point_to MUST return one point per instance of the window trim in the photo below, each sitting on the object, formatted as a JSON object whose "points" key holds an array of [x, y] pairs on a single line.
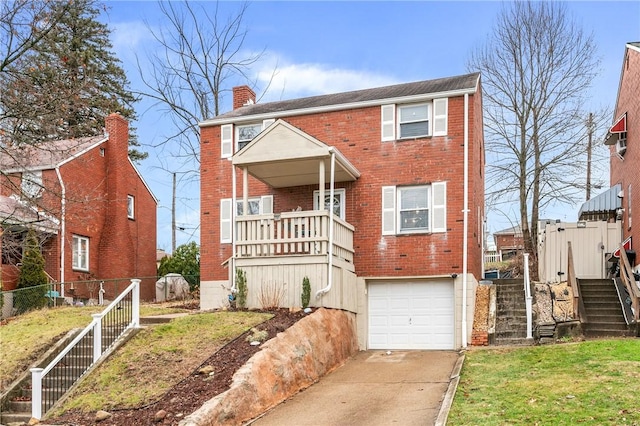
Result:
{"points": [[437, 209], [131, 207], [76, 253], [438, 113], [341, 192], [31, 184], [226, 214], [400, 210], [246, 142], [429, 120]]}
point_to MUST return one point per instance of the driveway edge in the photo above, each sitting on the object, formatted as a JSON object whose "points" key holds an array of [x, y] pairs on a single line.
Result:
{"points": [[441, 420]]}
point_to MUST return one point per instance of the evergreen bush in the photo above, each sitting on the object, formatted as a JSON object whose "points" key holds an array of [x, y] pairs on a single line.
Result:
{"points": [[32, 281], [306, 292]]}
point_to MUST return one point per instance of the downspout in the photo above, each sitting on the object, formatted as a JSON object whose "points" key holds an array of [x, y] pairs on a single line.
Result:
{"points": [[63, 212], [233, 227], [465, 231], [331, 224]]}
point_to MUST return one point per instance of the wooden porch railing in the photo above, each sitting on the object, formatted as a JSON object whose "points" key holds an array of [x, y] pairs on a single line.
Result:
{"points": [[578, 303], [629, 281], [292, 233]]}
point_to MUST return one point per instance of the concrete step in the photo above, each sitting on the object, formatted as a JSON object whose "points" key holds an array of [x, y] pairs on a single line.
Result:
{"points": [[8, 418]]}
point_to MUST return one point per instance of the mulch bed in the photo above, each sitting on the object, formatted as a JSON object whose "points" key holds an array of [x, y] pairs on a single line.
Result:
{"points": [[190, 394]]}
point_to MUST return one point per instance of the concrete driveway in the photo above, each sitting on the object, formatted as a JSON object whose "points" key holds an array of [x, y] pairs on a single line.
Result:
{"points": [[376, 388]]}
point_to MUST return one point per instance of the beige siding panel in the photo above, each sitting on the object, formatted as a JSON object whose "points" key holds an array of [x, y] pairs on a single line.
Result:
{"points": [[284, 276]]}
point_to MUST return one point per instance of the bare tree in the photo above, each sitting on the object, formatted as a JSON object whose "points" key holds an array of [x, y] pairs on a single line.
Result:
{"points": [[536, 66], [200, 52]]}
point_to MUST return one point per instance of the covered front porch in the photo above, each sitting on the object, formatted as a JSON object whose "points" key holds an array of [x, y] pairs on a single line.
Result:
{"points": [[277, 250]]}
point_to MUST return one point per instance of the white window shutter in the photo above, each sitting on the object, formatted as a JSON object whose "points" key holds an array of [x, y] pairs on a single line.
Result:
{"points": [[388, 119], [225, 220], [388, 210], [226, 140], [266, 204], [439, 206], [268, 122], [440, 107]]}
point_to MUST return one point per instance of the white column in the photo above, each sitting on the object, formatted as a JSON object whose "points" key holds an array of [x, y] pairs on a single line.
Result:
{"points": [[321, 184], [245, 191]]}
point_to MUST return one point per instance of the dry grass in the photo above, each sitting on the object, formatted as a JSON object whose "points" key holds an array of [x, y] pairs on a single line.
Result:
{"points": [[25, 338], [157, 358]]}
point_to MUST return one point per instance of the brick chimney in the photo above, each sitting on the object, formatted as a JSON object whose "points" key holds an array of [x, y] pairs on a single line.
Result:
{"points": [[116, 244], [243, 95]]}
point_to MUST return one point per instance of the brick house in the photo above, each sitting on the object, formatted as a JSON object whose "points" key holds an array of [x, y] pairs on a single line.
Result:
{"points": [[509, 242], [377, 196], [624, 141], [95, 214]]}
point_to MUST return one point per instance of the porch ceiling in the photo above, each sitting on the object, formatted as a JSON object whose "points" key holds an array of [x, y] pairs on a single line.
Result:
{"points": [[284, 156]]}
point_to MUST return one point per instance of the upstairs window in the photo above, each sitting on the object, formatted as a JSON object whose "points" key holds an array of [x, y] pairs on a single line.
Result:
{"points": [[411, 121], [245, 134], [234, 139], [32, 184]]}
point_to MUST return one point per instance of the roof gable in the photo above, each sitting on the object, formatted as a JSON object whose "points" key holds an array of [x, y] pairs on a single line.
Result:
{"points": [[284, 155]]}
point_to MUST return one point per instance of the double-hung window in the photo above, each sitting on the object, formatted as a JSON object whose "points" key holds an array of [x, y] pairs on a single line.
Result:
{"points": [[257, 205], [32, 184], [80, 253], [245, 134], [234, 138], [414, 209], [411, 121]]}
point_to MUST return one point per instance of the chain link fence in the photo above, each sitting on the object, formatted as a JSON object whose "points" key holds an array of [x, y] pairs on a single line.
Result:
{"points": [[94, 292]]}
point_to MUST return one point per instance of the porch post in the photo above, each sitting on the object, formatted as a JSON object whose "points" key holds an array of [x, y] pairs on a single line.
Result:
{"points": [[321, 184], [234, 185], [245, 191]]}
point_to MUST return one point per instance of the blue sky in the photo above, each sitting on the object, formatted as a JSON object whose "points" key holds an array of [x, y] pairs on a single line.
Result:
{"points": [[328, 47]]}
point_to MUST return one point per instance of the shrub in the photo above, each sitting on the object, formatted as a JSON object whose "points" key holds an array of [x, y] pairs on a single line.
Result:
{"points": [[306, 292], [32, 281], [271, 295], [241, 285]]}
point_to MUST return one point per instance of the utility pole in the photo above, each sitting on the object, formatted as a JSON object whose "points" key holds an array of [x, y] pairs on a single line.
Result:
{"points": [[173, 216], [589, 149]]}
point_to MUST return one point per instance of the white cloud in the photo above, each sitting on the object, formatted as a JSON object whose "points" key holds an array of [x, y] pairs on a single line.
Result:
{"points": [[292, 80], [128, 37]]}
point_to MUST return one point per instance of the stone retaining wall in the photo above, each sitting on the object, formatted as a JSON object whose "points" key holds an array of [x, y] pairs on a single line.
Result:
{"points": [[288, 363]]}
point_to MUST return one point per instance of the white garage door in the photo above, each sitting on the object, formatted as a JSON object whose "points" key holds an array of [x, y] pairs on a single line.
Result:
{"points": [[415, 315]]}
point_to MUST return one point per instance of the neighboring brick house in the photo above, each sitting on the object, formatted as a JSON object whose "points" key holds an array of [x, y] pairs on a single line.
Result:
{"points": [[509, 242], [624, 141], [403, 168], [94, 211]]}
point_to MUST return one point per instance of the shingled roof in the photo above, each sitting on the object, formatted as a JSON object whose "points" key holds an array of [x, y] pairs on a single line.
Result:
{"points": [[440, 85], [46, 155]]}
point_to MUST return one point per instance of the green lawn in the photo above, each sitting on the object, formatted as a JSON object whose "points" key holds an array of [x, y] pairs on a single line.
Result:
{"points": [[595, 382]]}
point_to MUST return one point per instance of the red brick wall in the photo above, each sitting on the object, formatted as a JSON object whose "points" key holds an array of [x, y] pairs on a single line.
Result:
{"points": [[625, 172], [356, 133], [96, 187]]}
